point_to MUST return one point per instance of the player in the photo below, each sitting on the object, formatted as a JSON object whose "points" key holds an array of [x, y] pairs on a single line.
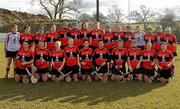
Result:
{"points": [[85, 34]]}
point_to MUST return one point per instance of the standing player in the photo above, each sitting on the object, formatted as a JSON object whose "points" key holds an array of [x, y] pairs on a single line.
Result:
{"points": [[57, 61], [72, 61], [118, 35], [119, 57], [128, 36], [96, 35], [85, 34], [164, 61], [51, 38], [108, 38], [159, 38], [24, 62], [64, 35], [27, 36], [139, 36], [11, 47], [41, 62], [39, 36], [101, 60], [75, 35], [150, 37], [134, 62], [86, 61], [148, 62]]}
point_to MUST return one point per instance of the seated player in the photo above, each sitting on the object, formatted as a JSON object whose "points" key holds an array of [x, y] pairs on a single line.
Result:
{"points": [[57, 62], [72, 61], [164, 61], [101, 62], [119, 57], [134, 62], [24, 62], [148, 62], [41, 62], [86, 61]]}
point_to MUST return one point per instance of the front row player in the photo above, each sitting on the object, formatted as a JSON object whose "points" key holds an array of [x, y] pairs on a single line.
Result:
{"points": [[119, 57], [57, 61], [86, 54], [41, 62], [24, 62], [164, 61], [101, 60], [134, 62], [148, 62]]}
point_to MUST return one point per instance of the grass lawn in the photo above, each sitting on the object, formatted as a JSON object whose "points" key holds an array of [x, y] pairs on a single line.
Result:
{"points": [[95, 95]]}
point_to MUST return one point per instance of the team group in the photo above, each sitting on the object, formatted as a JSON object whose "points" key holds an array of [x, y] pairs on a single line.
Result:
{"points": [[67, 54]]}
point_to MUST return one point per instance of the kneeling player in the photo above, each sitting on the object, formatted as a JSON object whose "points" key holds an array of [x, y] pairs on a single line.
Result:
{"points": [[86, 61], [101, 59], [134, 62], [119, 58], [57, 62], [148, 62], [165, 60], [41, 62], [24, 62], [72, 61]]}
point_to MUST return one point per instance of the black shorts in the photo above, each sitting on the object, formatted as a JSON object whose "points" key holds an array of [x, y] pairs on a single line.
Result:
{"points": [[55, 72], [42, 71], [121, 71], [148, 72], [10, 54], [86, 71], [175, 54], [103, 69], [136, 71], [74, 69], [165, 73], [23, 71]]}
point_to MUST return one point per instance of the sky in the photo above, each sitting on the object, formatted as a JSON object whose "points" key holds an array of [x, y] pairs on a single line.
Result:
{"points": [[26, 6]]}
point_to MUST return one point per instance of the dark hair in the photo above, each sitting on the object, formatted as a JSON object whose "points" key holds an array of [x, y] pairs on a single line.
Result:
{"points": [[128, 26], [82, 24], [26, 26]]}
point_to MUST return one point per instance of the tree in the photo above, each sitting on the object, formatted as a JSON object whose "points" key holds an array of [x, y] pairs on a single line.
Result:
{"points": [[115, 15], [85, 17], [168, 19], [58, 9], [144, 15]]}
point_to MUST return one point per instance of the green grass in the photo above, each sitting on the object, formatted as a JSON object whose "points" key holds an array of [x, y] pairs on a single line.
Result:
{"points": [[95, 95]]}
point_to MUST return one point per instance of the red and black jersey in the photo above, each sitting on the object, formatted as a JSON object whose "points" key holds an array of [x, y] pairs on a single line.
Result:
{"points": [[134, 55], [149, 37], [128, 36], [86, 57], [85, 35], [41, 58], [24, 56], [57, 58], [171, 42], [64, 36], [148, 57], [71, 55], [26, 37], [39, 37], [159, 38], [96, 35], [51, 38], [108, 40], [117, 37], [75, 34], [100, 56], [164, 58], [119, 56]]}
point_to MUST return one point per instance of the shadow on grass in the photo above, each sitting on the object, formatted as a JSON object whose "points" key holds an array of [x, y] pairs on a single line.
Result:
{"points": [[91, 93]]}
